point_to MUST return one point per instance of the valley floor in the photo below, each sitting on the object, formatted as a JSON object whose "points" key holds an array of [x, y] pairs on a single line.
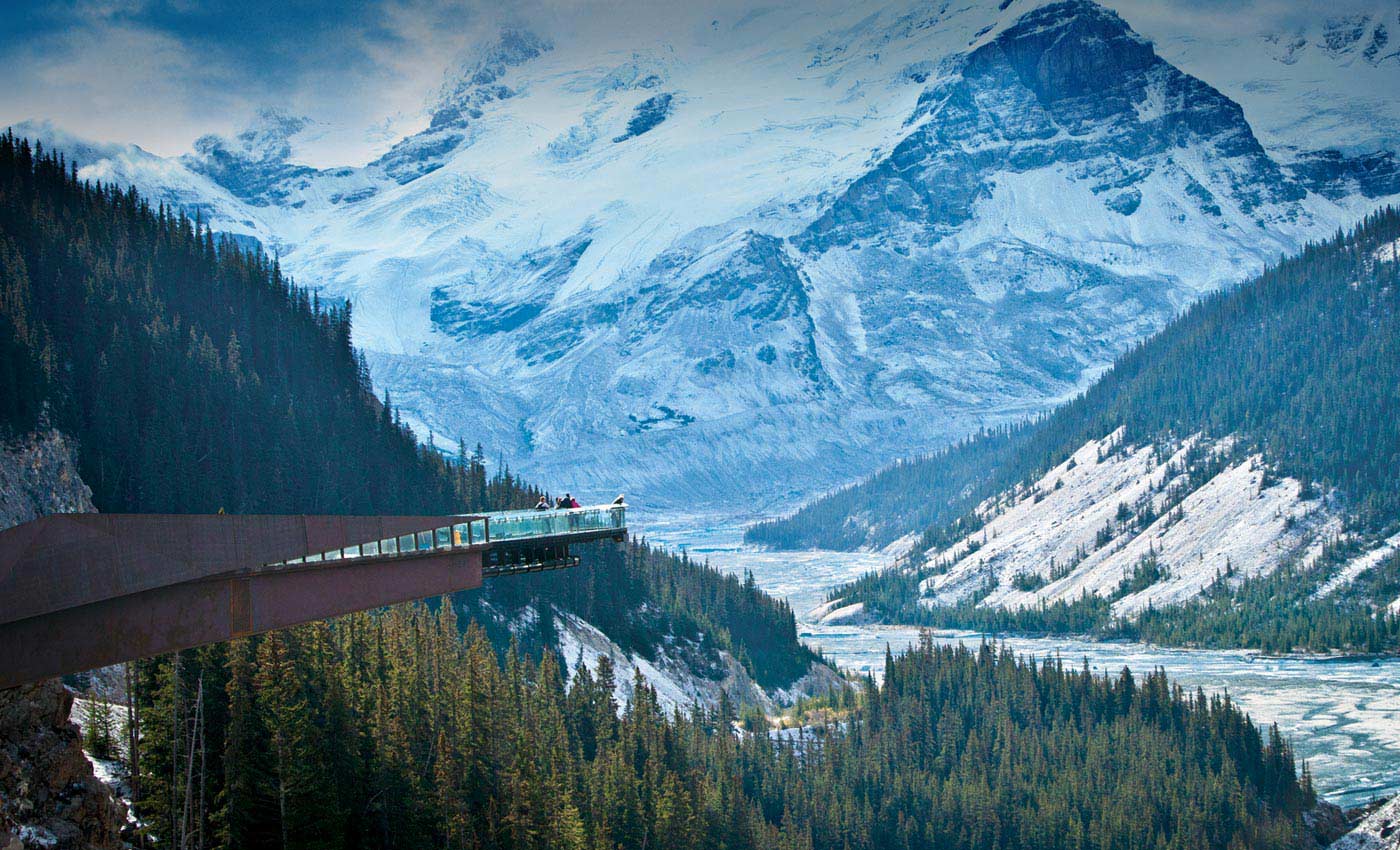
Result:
{"points": [[1342, 715]]}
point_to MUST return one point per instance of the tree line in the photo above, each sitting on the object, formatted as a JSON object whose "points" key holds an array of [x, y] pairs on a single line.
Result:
{"points": [[395, 729]]}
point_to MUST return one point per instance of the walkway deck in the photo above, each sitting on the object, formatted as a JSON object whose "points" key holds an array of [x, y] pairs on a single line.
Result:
{"points": [[79, 591]]}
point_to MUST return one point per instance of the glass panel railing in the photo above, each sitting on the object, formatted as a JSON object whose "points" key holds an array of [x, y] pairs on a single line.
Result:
{"points": [[475, 531], [514, 525]]}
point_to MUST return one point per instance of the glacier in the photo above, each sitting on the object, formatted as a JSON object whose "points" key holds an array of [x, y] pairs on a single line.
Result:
{"points": [[728, 253]]}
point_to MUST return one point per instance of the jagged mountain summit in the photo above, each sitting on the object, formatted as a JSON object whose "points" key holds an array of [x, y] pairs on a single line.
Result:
{"points": [[753, 252]]}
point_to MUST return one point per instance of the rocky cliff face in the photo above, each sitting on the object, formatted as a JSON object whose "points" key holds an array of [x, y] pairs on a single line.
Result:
{"points": [[49, 797], [39, 476], [1378, 831], [1069, 86]]}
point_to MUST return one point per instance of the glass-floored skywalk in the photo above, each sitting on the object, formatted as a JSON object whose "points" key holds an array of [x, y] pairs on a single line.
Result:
{"points": [[478, 531]]}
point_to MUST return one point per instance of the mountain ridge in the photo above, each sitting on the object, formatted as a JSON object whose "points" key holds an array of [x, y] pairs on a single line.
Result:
{"points": [[910, 194], [1211, 488]]}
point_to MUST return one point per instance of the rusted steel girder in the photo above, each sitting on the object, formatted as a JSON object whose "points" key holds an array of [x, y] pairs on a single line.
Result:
{"points": [[190, 614], [79, 591], [65, 560]]}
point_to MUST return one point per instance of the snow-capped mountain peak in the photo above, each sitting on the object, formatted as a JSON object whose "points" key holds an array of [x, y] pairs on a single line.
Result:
{"points": [[759, 251], [256, 165]]}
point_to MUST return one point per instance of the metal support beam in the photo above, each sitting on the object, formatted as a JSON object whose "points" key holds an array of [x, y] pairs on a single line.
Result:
{"points": [[81, 591], [190, 614]]}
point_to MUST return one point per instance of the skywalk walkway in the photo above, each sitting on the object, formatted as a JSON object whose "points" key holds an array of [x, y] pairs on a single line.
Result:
{"points": [[80, 591]]}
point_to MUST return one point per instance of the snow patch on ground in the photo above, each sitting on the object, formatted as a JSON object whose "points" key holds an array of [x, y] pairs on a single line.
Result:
{"points": [[901, 546], [676, 686], [111, 772], [1379, 831], [1238, 522], [834, 613], [580, 640], [1358, 566], [1388, 253]]}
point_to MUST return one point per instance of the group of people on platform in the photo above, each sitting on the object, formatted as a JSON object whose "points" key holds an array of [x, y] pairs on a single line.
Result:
{"points": [[563, 503], [568, 502]]}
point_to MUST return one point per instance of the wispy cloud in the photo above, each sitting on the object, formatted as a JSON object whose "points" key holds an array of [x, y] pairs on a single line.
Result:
{"points": [[163, 72], [1246, 18]]}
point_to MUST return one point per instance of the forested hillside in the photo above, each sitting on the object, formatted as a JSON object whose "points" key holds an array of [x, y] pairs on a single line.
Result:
{"points": [[401, 729], [1291, 376], [394, 731], [1301, 362], [197, 377], [194, 374]]}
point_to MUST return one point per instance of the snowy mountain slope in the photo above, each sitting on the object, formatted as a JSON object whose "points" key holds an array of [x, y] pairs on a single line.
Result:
{"points": [[1310, 77], [1243, 456], [1090, 522], [1379, 831], [1357, 566], [163, 181], [676, 685], [753, 252], [1150, 525], [1064, 193], [1318, 84], [686, 673]]}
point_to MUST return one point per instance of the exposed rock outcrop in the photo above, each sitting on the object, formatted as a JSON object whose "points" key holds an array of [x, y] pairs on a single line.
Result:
{"points": [[39, 476], [1327, 822], [49, 797], [1378, 831]]}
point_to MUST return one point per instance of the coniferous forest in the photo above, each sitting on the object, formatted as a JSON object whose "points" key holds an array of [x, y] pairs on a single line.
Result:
{"points": [[395, 730], [196, 377]]}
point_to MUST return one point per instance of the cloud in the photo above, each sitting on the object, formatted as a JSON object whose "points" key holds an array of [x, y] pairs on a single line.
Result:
{"points": [[161, 73], [1244, 18]]}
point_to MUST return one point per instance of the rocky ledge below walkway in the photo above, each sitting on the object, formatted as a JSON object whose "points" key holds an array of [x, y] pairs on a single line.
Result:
{"points": [[49, 797]]}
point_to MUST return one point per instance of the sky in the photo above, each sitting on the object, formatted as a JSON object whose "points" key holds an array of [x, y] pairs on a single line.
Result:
{"points": [[161, 73]]}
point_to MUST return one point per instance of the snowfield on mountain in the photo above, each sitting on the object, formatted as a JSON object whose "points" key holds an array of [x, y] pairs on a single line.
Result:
{"points": [[714, 263]]}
